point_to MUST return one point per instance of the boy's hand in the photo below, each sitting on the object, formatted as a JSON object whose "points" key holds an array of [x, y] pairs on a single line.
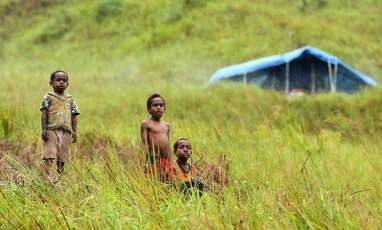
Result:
{"points": [[197, 179], [45, 135], [74, 137]]}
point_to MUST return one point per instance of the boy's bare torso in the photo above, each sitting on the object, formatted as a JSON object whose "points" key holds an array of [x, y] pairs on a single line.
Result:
{"points": [[156, 136]]}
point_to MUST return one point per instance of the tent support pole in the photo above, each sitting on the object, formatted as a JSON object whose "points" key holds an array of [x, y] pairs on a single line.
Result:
{"points": [[312, 79], [245, 78], [287, 79], [273, 79], [330, 77], [335, 77]]}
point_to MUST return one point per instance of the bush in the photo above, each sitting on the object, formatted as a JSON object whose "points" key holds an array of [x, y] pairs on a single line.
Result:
{"points": [[108, 8], [55, 29]]}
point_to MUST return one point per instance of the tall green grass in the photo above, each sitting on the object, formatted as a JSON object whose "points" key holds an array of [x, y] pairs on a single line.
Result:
{"points": [[301, 162]]}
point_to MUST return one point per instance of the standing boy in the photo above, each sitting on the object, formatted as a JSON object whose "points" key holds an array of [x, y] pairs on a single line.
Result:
{"points": [[58, 122], [155, 136]]}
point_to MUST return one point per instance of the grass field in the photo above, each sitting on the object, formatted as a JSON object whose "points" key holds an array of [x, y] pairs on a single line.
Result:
{"points": [[309, 162]]}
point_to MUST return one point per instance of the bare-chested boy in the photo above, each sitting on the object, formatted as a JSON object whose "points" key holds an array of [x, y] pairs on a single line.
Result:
{"points": [[155, 136]]}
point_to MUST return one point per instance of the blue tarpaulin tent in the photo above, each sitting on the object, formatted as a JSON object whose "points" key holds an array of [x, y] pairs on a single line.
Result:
{"points": [[307, 70]]}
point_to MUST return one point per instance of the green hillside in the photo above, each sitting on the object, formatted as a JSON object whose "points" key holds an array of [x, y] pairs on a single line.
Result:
{"points": [[312, 162], [177, 40]]}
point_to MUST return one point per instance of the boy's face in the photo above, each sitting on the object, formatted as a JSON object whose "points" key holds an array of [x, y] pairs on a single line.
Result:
{"points": [[60, 82], [183, 150], [157, 107]]}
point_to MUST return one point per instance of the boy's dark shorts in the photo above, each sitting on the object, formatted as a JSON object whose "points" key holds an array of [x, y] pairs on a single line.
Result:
{"points": [[57, 147]]}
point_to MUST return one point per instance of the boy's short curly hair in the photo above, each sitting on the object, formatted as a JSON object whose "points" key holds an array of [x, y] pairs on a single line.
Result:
{"points": [[151, 98], [177, 142], [52, 75]]}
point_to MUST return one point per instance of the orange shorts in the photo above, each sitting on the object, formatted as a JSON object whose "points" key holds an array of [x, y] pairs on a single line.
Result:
{"points": [[162, 167]]}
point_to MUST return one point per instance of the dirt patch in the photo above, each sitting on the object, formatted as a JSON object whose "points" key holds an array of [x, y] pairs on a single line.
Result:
{"points": [[21, 152], [12, 156]]}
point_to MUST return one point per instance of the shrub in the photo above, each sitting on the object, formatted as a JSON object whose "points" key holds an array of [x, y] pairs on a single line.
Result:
{"points": [[108, 8]]}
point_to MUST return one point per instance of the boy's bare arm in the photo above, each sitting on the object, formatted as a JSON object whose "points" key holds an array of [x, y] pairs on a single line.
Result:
{"points": [[74, 128], [44, 122], [144, 137]]}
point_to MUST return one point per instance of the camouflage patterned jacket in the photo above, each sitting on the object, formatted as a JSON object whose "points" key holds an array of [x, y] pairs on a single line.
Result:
{"points": [[60, 110]]}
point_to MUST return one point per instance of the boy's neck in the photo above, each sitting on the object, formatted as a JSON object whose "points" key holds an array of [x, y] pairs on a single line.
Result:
{"points": [[182, 161], [59, 93], [155, 119]]}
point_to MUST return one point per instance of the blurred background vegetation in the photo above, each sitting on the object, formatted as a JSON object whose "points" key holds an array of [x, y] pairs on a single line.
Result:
{"points": [[186, 39]]}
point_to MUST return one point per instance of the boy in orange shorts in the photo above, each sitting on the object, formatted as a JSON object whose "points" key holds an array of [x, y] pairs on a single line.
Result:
{"points": [[155, 137], [58, 122], [185, 174]]}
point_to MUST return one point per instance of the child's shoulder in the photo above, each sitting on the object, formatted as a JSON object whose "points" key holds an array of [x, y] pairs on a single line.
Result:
{"points": [[53, 94], [48, 96], [148, 122], [145, 123], [166, 123], [68, 96]]}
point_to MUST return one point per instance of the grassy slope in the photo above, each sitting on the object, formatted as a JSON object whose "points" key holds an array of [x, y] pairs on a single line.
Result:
{"points": [[182, 40], [118, 52]]}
